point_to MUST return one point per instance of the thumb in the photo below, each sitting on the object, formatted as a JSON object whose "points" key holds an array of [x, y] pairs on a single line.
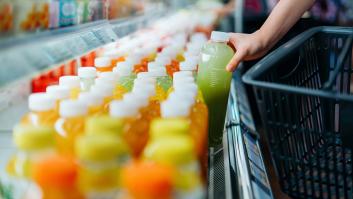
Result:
{"points": [[235, 61]]}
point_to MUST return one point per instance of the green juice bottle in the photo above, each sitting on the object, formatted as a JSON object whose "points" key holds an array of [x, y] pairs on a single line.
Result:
{"points": [[214, 82]]}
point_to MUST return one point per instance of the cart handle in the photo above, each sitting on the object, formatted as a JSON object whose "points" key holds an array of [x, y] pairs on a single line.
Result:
{"points": [[339, 64]]}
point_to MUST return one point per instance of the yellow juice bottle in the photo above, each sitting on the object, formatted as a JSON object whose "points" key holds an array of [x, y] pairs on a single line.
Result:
{"points": [[126, 77], [160, 93], [33, 144], [73, 83], [178, 151], [101, 157], [41, 110], [104, 90], [135, 130], [70, 125]]}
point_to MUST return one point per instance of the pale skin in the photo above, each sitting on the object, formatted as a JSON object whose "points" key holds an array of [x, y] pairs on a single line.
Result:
{"points": [[252, 46]]}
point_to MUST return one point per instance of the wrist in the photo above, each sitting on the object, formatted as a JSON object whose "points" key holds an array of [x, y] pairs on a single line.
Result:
{"points": [[263, 39]]}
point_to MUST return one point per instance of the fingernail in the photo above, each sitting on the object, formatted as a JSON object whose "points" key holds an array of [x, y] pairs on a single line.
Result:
{"points": [[229, 68]]}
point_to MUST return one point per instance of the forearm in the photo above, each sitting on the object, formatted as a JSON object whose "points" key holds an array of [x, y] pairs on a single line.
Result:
{"points": [[285, 14]]}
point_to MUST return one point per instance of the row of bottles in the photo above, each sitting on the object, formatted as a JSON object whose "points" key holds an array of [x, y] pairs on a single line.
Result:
{"points": [[133, 126]]}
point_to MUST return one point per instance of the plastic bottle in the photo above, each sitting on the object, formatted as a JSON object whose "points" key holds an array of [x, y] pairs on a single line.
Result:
{"points": [[214, 82], [103, 64], [101, 157], [116, 56], [72, 82], [147, 76], [104, 124], [190, 64], [126, 76], [57, 176], [135, 128], [33, 143], [148, 180], [105, 91], [152, 110], [70, 125], [163, 80], [93, 101], [58, 93], [87, 76], [42, 110], [178, 151]]}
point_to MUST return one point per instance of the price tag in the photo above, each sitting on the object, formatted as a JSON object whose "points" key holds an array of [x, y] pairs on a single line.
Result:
{"points": [[58, 51], [105, 35], [76, 45], [37, 58], [91, 40]]}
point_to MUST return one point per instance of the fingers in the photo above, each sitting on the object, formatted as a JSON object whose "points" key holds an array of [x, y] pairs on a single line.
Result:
{"points": [[235, 61]]}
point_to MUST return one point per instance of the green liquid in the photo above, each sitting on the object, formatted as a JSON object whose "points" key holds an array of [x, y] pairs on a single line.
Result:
{"points": [[127, 82], [214, 82]]}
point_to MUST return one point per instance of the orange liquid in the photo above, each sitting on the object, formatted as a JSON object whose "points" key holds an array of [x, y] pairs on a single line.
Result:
{"points": [[119, 92], [105, 69], [106, 102], [172, 68], [115, 61], [40, 118], [136, 134], [57, 193], [95, 110], [68, 129], [199, 132]]}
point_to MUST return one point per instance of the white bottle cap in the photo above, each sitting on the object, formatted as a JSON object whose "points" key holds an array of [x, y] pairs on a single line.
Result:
{"points": [[40, 102], [192, 58], [163, 60], [181, 86], [87, 72], [102, 62], [154, 66], [90, 99], [113, 54], [145, 80], [218, 36], [110, 79], [126, 64], [103, 90], [185, 80], [72, 108], [109, 76], [122, 71], [138, 100], [158, 72], [70, 81], [188, 66], [175, 108], [146, 89], [121, 109], [58, 92], [187, 97], [182, 74], [133, 58], [143, 75]]}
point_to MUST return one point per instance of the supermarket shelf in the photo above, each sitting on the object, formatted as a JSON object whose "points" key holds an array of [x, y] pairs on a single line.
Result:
{"points": [[27, 55]]}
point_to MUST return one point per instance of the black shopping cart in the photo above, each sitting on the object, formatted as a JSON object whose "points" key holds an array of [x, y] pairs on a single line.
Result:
{"points": [[304, 95]]}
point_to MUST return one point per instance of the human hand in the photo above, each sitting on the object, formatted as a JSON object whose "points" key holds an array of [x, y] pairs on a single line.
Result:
{"points": [[247, 47]]}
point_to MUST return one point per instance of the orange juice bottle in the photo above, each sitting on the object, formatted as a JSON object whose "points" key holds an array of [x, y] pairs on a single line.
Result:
{"points": [[58, 93], [103, 64], [73, 83], [101, 157], [135, 128], [70, 125], [87, 76], [57, 176], [33, 143], [148, 180], [42, 110], [93, 101]]}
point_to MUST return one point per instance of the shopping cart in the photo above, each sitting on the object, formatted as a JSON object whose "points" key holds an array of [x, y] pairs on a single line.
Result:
{"points": [[303, 93]]}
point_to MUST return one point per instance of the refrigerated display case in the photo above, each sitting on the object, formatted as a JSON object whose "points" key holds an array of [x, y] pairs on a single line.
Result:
{"points": [[236, 168]]}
